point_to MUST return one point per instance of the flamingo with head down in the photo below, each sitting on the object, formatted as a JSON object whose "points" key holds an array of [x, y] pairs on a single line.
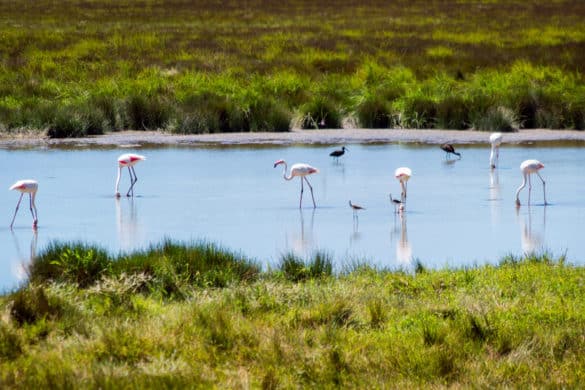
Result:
{"points": [[528, 167], [29, 187], [128, 160]]}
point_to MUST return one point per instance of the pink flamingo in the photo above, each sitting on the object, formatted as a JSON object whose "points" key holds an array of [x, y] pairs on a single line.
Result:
{"points": [[403, 174], [496, 141], [29, 187], [529, 167], [128, 160], [302, 170]]}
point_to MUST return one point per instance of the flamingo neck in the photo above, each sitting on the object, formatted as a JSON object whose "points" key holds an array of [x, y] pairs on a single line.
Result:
{"points": [[521, 186], [118, 179], [284, 172], [492, 155]]}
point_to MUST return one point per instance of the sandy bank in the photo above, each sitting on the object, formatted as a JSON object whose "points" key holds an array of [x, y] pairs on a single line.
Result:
{"points": [[343, 136]]}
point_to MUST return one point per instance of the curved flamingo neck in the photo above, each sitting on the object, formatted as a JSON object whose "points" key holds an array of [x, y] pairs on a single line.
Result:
{"points": [[284, 172], [493, 154], [521, 186], [118, 179]]}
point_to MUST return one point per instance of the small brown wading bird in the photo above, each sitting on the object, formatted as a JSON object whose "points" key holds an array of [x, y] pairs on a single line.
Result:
{"points": [[338, 153], [29, 187], [301, 170], [128, 160], [449, 149], [529, 167], [355, 208]]}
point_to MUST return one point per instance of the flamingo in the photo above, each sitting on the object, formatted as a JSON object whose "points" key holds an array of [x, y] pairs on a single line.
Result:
{"points": [[403, 174], [29, 187], [529, 167], [128, 160], [448, 148], [496, 141], [338, 153], [302, 170]]}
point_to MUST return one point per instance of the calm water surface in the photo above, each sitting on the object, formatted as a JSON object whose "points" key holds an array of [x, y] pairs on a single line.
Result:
{"points": [[459, 212]]}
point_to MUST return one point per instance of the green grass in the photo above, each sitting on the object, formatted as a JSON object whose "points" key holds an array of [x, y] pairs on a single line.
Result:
{"points": [[517, 324], [266, 65]]}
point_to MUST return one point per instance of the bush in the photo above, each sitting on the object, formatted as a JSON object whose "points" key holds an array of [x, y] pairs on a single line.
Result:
{"points": [[319, 112], [497, 119]]}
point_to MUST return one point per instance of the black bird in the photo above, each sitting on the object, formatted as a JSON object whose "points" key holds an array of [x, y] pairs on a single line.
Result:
{"points": [[448, 148], [395, 202], [355, 208], [338, 153]]}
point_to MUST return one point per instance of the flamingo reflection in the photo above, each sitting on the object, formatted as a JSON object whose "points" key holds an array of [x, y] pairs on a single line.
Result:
{"points": [[531, 239], [403, 248], [303, 242], [129, 230], [495, 196], [20, 270]]}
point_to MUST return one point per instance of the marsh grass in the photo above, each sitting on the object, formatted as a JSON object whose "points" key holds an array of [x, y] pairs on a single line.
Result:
{"points": [[268, 66], [519, 323]]}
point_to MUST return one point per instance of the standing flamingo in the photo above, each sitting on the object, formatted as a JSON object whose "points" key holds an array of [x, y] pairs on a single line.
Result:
{"points": [[128, 160], [29, 187], [448, 148], [529, 167], [302, 170], [496, 141], [403, 174]]}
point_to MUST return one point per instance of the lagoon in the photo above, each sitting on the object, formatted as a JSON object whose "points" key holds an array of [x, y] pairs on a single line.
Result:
{"points": [[459, 212]]}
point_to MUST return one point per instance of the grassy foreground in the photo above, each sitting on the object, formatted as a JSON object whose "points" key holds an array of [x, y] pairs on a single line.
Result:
{"points": [[78, 67], [160, 319]]}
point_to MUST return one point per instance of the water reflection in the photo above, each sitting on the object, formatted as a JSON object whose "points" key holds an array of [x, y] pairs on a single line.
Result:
{"points": [[495, 196], [19, 270], [532, 234], [129, 230], [303, 242], [403, 248]]}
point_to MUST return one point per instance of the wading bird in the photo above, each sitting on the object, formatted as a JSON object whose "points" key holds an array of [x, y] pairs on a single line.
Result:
{"points": [[496, 141], [301, 170], [397, 204], [448, 148], [29, 187], [338, 153], [529, 167], [403, 174], [128, 160], [355, 208]]}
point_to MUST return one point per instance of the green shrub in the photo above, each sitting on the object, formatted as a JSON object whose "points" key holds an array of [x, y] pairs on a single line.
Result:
{"points": [[319, 112]]}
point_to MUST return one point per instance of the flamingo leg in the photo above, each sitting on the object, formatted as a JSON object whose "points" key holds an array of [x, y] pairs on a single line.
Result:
{"points": [[529, 188], [133, 180], [543, 188], [15, 211], [33, 210], [311, 188], [301, 199]]}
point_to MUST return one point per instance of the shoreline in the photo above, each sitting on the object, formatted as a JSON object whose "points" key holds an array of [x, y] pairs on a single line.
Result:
{"points": [[132, 138]]}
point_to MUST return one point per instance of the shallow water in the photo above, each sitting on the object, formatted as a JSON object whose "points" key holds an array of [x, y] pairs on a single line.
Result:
{"points": [[459, 212]]}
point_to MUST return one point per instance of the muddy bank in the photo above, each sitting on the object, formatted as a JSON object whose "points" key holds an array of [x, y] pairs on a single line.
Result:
{"points": [[343, 136]]}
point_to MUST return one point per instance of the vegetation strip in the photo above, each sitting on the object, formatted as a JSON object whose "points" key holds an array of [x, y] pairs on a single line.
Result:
{"points": [[197, 315], [269, 65]]}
